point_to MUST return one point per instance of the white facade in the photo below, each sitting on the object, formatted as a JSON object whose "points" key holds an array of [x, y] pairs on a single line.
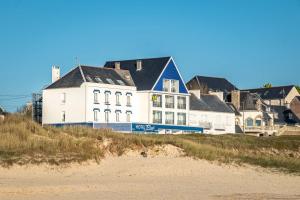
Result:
{"points": [[213, 122], [80, 105], [148, 104]]}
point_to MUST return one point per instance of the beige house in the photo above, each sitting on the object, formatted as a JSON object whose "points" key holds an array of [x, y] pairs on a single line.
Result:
{"points": [[276, 96]]}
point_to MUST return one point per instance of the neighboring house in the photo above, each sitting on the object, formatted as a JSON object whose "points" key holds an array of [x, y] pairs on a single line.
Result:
{"points": [[276, 96], [211, 113], [143, 95], [211, 85], [252, 114], [295, 106], [283, 115]]}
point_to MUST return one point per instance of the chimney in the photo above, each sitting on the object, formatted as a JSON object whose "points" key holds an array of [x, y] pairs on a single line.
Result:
{"points": [[117, 65], [235, 98], [55, 73], [197, 93], [138, 65]]}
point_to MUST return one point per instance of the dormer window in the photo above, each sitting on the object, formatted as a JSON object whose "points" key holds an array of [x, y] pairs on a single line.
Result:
{"points": [[171, 85]]}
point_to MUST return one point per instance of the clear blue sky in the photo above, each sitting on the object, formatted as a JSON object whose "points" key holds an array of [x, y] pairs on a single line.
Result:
{"points": [[248, 42]]}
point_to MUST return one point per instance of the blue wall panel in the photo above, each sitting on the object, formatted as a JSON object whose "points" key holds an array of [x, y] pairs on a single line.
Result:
{"points": [[139, 127], [170, 73]]}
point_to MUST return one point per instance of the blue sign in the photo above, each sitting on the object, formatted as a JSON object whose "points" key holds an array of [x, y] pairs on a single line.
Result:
{"points": [[137, 127]]}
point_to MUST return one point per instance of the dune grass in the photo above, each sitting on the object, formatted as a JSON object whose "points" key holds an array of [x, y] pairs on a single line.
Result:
{"points": [[23, 141]]}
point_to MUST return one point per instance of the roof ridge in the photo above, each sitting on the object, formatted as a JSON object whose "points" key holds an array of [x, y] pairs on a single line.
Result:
{"points": [[212, 77], [270, 87], [139, 59]]}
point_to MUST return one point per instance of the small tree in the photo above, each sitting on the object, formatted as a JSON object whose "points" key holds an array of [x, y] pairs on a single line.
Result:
{"points": [[298, 88], [267, 85]]}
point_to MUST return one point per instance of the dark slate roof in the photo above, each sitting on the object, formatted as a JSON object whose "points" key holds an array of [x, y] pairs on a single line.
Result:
{"points": [[233, 108], [248, 100], [90, 74], [71, 79], [208, 103], [145, 78], [282, 115], [213, 83], [273, 92]]}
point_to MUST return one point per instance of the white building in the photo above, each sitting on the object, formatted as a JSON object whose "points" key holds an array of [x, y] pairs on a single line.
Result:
{"points": [[90, 95], [211, 113], [144, 95]]}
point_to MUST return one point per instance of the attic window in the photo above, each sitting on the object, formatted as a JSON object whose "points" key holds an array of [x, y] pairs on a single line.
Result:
{"points": [[110, 81], [99, 80], [120, 82], [89, 78]]}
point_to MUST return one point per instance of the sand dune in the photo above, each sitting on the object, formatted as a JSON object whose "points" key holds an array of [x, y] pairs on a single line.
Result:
{"points": [[163, 174]]}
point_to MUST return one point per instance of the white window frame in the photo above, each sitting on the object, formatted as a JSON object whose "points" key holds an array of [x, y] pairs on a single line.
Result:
{"points": [[63, 116], [168, 121], [128, 116], [117, 115], [96, 115], [107, 116], [154, 120], [96, 97]]}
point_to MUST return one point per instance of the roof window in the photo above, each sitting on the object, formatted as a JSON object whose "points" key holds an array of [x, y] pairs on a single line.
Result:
{"points": [[110, 81], [120, 82], [98, 79]]}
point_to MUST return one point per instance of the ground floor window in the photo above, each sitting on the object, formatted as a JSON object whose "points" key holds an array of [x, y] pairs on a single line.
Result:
{"points": [[107, 112], [249, 122], [63, 116], [258, 122], [157, 117], [96, 113], [117, 116], [128, 116], [169, 118], [181, 118]]}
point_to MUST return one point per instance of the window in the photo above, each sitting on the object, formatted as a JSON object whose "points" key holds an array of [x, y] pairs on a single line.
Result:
{"points": [[107, 93], [175, 86], [120, 82], [96, 113], [249, 122], [128, 103], [169, 118], [118, 115], [98, 79], [169, 101], [118, 98], [258, 122], [63, 116], [157, 117], [63, 97], [107, 115], [128, 116], [156, 100], [89, 79], [166, 85], [110, 81], [181, 118], [96, 96], [171, 85], [181, 102]]}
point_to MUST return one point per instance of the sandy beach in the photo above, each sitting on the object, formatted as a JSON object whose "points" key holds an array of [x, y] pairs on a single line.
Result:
{"points": [[163, 174]]}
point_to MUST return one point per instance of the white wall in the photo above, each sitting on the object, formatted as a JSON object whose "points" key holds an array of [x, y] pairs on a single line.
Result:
{"points": [[213, 121], [79, 106], [91, 105], [74, 105]]}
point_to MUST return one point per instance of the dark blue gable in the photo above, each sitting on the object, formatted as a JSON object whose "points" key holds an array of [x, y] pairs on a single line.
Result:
{"points": [[170, 73]]}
